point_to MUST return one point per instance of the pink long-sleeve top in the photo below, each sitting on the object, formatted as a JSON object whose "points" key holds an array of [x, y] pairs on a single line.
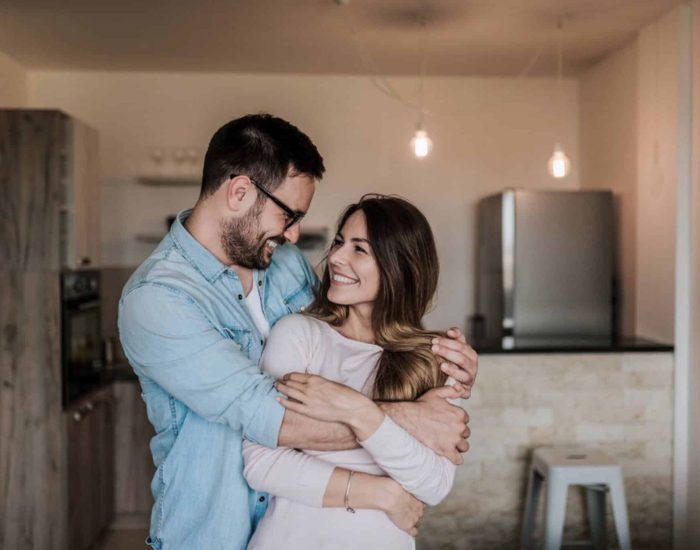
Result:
{"points": [[297, 479]]}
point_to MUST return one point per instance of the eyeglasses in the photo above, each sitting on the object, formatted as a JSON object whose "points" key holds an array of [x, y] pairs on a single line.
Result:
{"points": [[293, 216]]}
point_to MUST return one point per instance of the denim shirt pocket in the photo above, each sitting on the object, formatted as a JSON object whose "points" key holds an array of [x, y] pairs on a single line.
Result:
{"points": [[242, 336], [300, 299]]}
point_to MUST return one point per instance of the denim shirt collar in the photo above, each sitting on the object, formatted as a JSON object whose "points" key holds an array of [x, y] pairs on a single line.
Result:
{"points": [[200, 258]]}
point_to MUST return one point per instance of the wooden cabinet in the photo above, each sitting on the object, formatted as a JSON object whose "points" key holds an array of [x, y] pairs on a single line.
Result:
{"points": [[49, 208], [80, 230], [90, 434], [134, 467]]}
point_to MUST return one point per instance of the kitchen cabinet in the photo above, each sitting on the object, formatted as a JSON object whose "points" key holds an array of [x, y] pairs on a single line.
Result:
{"points": [[80, 204], [90, 447], [134, 467], [49, 208]]}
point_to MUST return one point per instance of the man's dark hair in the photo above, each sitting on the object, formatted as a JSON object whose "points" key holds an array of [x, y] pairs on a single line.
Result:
{"points": [[263, 147]]}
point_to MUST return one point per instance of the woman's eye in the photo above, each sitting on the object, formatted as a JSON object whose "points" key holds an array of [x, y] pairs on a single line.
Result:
{"points": [[360, 249], [337, 242]]}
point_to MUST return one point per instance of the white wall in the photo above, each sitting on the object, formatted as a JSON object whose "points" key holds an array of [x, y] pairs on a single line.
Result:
{"points": [[629, 143], [13, 83], [657, 151], [488, 134], [608, 148]]}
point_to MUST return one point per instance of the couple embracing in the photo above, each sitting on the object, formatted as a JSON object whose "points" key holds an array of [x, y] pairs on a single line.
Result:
{"points": [[291, 412]]}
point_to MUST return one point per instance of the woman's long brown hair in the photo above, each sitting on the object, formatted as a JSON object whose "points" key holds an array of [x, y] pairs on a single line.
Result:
{"points": [[404, 248]]}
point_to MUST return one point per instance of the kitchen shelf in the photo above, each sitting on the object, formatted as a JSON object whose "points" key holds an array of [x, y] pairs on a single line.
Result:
{"points": [[169, 181]]}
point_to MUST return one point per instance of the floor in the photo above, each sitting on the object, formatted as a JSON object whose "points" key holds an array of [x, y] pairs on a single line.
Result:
{"points": [[123, 539]]}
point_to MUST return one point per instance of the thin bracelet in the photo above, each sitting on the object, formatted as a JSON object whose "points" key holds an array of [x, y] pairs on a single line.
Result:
{"points": [[348, 508]]}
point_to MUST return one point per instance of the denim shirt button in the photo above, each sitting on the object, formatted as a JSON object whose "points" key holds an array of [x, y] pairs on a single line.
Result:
{"points": [[259, 283], [262, 499], [240, 296]]}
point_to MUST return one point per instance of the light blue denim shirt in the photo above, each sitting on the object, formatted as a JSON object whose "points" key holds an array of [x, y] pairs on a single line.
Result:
{"points": [[187, 333]]}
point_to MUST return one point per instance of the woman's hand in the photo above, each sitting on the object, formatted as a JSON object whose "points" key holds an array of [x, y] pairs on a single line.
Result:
{"points": [[319, 398], [463, 360], [403, 509]]}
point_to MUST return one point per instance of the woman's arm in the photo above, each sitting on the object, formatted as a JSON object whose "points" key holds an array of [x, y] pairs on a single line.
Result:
{"points": [[309, 480], [416, 467]]}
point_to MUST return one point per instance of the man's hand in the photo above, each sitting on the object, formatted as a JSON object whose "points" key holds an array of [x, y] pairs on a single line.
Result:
{"points": [[463, 360], [435, 422]]}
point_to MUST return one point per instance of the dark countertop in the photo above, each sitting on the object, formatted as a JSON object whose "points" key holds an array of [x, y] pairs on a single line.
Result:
{"points": [[570, 345]]}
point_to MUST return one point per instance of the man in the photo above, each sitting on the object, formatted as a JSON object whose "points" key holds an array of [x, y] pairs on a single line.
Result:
{"points": [[193, 320]]}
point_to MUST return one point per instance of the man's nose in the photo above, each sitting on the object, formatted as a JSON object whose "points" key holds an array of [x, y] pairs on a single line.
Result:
{"points": [[292, 233]]}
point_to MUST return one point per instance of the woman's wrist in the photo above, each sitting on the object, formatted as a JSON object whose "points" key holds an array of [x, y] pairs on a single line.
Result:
{"points": [[372, 492], [366, 419]]}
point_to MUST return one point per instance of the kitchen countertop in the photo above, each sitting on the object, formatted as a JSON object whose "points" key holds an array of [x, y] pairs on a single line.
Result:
{"points": [[569, 345]]}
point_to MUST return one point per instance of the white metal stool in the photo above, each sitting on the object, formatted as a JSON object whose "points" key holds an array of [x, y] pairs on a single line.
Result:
{"points": [[560, 467]]}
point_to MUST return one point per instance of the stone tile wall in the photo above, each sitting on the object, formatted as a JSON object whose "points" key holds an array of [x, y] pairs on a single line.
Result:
{"points": [[621, 403]]}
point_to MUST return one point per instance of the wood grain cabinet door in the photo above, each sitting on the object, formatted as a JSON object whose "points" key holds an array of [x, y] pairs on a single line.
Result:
{"points": [[90, 430]]}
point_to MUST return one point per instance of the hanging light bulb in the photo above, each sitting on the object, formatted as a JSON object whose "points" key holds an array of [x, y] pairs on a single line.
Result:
{"points": [[559, 165], [421, 143]]}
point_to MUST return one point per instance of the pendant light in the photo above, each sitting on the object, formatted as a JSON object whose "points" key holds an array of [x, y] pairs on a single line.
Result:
{"points": [[421, 144], [559, 165]]}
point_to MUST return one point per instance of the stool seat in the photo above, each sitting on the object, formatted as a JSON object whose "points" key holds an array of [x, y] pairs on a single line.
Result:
{"points": [[559, 467]]}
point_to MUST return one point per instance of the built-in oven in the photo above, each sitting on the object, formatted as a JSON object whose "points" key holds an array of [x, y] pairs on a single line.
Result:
{"points": [[81, 338]]}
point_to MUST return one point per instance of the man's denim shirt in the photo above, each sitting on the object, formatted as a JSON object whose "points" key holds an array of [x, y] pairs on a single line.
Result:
{"points": [[187, 333]]}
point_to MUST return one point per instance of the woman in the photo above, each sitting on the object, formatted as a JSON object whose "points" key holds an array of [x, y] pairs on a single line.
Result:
{"points": [[360, 341]]}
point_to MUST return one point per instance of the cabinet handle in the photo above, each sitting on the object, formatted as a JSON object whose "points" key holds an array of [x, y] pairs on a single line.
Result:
{"points": [[85, 261], [77, 417]]}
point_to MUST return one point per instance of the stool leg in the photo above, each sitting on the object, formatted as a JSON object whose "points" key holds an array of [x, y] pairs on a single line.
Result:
{"points": [[619, 505], [534, 485], [557, 490], [597, 517]]}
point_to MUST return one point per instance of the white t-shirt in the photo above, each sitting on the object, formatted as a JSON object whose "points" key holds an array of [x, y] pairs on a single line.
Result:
{"points": [[254, 304]]}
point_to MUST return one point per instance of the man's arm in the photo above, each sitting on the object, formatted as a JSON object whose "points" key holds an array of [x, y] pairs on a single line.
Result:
{"points": [[168, 339], [433, 421], [301, 432]]}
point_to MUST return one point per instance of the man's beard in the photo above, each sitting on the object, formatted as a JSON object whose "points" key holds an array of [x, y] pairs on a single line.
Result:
{"points": [[243, 244]]}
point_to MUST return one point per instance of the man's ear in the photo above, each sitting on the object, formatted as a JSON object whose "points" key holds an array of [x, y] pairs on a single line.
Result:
{"points": [[238, 193]]}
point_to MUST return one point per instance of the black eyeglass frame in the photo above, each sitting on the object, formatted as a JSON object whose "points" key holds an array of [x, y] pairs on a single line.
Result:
{"points": [[295, 216]]}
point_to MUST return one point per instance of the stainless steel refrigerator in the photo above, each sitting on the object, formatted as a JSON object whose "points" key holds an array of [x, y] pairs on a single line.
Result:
{"points": [[546, 265]]}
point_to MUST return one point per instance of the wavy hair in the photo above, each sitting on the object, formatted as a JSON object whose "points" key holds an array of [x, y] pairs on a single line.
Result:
{"points": [[404, 249]]}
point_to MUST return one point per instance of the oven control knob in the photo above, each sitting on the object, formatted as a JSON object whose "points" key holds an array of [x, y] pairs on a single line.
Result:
{"points": [[77, 417]]}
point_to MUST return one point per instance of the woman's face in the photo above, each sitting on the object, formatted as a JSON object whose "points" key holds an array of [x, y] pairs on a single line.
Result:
{"points": [[353, 270]]}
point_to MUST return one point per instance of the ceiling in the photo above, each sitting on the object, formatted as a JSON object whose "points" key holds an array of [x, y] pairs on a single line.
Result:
{"points": [[454, 37]]}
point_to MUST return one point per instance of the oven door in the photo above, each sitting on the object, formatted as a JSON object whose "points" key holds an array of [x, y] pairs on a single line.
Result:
{"points": [[83, 365]]}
